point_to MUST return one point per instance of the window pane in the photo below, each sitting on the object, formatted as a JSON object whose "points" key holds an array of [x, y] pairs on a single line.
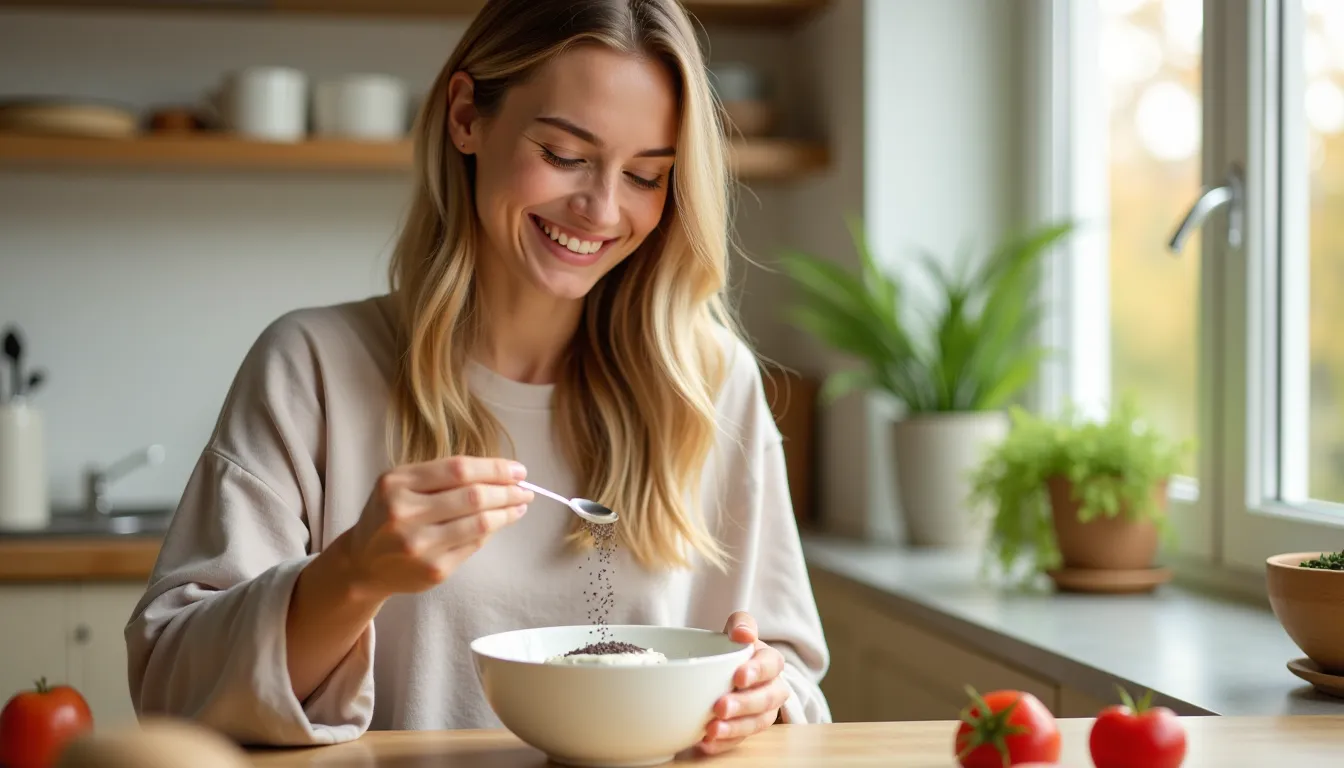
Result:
{"points": [[1151, 56], [1322, 59]]}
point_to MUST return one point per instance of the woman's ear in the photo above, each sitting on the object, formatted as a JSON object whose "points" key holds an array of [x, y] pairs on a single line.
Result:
{"points": [[463, 118]]}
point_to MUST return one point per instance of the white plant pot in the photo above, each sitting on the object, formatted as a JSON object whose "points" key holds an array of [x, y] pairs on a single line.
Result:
{"points": [[935, 456]]}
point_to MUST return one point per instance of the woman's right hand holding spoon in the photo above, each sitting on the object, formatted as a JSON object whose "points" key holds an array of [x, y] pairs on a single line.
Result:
{"points": [[422, 521]]}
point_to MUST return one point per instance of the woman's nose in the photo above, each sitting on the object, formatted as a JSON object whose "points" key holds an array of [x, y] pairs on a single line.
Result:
{"points": [[599, 205]]}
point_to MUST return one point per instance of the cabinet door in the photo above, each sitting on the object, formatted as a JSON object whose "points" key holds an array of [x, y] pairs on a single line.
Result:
{"points": [[841, 621], [33, 619], [1076, 703], [888, 668], [99, 642]]}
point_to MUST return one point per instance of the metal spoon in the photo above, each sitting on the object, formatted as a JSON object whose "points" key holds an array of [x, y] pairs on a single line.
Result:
{"points": [[588, 510]]}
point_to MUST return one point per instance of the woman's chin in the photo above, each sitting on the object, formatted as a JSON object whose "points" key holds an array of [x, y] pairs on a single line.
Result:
{"points": [[564, 285]]}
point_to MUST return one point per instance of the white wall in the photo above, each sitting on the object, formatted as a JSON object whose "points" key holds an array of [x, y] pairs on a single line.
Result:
{"points": [[922, 104], [140, 292], [943, 138]]}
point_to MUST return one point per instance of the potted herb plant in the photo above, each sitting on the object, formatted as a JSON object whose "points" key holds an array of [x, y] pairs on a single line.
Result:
{"points": [[954, 373], [1081, 500]]}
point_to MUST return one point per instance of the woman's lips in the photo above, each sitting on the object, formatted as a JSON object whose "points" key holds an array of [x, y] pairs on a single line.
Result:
{"points": [[583, 257]]}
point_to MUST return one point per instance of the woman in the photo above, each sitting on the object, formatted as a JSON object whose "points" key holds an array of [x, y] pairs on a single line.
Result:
{"points": [[556, 313]]}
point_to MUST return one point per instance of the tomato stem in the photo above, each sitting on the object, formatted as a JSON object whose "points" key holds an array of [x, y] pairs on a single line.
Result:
{"points": [[988, 727], [42, 686], [1139, 707]]}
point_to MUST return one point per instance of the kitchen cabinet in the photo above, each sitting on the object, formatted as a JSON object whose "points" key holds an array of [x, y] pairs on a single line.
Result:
{"points": [[33, 636], [885, 666], [70, 633]]}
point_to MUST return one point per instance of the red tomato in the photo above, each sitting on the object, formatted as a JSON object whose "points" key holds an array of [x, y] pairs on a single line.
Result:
{"points": [[35, 725], [1006, 728], [1137, 736]]}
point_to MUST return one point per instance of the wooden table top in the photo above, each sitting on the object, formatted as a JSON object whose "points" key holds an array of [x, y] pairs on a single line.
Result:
{"points": [[1213, 742]]}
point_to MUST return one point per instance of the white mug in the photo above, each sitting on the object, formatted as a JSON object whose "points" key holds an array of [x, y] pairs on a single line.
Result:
{"points": [[366, 107], [23, 468], [266, 103]]}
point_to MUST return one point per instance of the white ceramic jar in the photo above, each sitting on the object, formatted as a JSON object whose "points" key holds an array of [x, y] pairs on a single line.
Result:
{"points": [[23, 468]]}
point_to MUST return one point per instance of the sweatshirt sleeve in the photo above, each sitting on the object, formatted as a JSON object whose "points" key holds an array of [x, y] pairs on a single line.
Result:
{"points": [[782, 600], [207, 640], [766, 574]]}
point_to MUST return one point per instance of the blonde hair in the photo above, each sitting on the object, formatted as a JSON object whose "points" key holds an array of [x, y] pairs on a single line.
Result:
{"points": [[635, 404]]}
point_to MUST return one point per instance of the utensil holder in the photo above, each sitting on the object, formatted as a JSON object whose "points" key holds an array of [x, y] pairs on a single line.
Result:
{"points": [[23, 468]]}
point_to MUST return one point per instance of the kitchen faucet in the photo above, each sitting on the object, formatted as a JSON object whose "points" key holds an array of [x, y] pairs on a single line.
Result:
{"points": [[96, 481]]}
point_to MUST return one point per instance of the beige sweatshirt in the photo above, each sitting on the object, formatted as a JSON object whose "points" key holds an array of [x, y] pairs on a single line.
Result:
{"points": [[289, 466]]}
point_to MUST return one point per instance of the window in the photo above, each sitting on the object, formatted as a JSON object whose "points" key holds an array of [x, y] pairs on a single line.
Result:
{"points": [[1312, 253], [1222, 323]]}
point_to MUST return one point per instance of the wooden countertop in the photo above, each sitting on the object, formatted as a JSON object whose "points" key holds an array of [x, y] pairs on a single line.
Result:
{"points": [[66, 558], [1213, 742]]}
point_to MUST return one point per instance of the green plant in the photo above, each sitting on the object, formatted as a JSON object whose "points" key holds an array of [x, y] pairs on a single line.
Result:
{"points": [[1330, 561], [978, 350], [1113, 466]]}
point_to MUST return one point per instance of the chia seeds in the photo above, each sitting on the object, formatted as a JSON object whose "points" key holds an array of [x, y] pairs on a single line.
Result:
{"points": [[606, 648], [601, 597]]}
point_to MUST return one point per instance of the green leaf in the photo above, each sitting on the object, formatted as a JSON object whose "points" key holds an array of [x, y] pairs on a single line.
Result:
{"points": [[970, 347], [1018, 375], [841, 383]]}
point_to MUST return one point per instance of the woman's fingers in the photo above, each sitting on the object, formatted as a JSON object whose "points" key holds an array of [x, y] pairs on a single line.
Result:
{"points": [[433, 541], [741, 627], [765, 665], [718, 746], [738, 728], [457, 471], [470, 500], [753, 701]]}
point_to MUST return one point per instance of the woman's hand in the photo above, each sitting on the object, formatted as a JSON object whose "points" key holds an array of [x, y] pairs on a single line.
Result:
{"points": [[423, 520], [759, 692]]}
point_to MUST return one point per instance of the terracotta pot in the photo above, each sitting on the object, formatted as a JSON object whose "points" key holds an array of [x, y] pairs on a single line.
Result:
{"points": [[1108, 543], [1309, 604]]}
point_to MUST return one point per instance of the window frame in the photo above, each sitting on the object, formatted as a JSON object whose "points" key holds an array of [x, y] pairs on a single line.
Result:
{"points": [[1231, 522], [1070, 139], [1274, 364]]}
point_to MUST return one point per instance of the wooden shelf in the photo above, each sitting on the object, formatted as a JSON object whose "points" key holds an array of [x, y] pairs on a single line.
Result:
{"points": [[753, 159], [771, 13]]}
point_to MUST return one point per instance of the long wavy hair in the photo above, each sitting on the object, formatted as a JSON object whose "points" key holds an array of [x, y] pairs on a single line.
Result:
{"points": [[635, 404]]}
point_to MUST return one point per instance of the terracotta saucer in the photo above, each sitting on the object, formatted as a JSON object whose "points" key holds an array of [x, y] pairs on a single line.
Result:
{"points": [[1331, 685], [1111, 581]]}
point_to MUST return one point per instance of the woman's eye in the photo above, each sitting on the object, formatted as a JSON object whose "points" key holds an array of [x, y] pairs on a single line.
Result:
{"points": [[558, 161], [644, 183]]}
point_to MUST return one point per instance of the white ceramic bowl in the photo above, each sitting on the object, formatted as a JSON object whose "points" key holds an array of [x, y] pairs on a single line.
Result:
{"points": [[607, 716]]}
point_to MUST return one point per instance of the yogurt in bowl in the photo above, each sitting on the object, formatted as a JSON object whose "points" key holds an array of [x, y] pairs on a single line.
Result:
{"points": [[610, 653], [609, 697]]}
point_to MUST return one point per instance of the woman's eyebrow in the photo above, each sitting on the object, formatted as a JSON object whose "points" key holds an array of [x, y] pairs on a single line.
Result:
{"points": [[586, 135]]}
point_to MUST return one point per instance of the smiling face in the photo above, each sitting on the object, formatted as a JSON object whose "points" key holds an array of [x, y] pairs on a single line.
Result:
{"points": [[572, 171]]}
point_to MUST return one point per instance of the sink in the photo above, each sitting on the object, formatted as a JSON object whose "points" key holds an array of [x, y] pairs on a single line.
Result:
{"points": [[148, 521]]}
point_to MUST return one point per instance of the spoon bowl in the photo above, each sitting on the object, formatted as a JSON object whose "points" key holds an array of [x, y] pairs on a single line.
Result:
{"points": [[585, 508]]}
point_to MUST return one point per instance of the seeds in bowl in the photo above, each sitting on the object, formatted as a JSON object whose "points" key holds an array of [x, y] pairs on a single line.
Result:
{"points": [[610, 653]]}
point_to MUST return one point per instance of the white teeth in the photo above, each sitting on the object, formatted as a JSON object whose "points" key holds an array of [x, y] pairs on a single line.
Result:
{"points": [[572, 243]]}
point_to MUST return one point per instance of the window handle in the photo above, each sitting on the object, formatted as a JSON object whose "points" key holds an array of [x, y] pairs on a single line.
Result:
{"points": [[1230, 193]]}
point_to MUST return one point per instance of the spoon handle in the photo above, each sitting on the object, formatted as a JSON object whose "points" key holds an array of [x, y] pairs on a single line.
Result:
{"points": [[543, 492]]}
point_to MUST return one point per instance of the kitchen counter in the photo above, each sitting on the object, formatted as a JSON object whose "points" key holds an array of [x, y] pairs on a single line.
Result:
{"points": [[1212, 741], [1201, 653], [69, 558]]}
